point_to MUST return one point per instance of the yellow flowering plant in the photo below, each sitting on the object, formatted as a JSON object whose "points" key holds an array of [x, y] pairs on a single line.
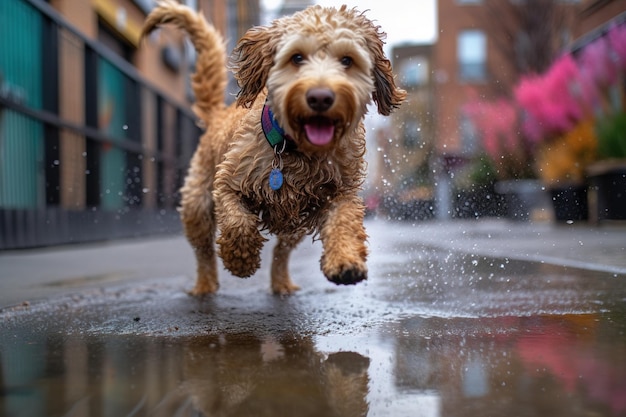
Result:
{"points": [[563, 160]]}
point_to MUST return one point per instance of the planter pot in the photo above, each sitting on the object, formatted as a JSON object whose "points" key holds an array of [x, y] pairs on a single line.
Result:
{"points": [[524, 199], [570, 203], [477, 203], [607, 181], [408, 209]]}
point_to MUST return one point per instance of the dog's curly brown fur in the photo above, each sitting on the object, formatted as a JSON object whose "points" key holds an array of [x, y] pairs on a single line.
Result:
{"points": [[337, 53]]}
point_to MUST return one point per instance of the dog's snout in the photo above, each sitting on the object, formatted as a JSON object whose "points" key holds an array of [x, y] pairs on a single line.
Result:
{"points": [[320, 99]]}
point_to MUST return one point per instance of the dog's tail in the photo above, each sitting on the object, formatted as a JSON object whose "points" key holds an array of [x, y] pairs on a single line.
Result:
{"points": [[209, 79]]}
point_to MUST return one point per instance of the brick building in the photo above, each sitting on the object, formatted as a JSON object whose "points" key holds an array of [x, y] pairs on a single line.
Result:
{"points": [[96, 129], [405, 143], [483, 46]]}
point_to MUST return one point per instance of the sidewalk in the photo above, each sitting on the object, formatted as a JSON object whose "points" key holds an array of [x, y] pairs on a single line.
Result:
{"points": [[41, 273], [601, 248], [32, 274]]}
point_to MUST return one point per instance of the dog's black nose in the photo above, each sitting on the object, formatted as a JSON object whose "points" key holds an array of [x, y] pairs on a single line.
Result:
{"points": [[320, 99]]}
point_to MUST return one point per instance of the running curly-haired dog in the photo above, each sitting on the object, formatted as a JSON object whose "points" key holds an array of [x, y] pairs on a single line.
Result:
{"points": [[288, 156]]}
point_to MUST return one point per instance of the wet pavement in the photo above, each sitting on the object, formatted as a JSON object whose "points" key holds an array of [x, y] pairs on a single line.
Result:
{"points": [[485, 318]]}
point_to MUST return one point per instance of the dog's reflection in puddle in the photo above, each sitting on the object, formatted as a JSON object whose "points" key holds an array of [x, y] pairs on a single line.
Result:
{"points": [[246, 375]]}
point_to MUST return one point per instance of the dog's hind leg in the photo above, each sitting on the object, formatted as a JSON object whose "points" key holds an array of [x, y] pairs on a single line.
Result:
{"points": [[197, 213], [206, 259], [281, 281]]}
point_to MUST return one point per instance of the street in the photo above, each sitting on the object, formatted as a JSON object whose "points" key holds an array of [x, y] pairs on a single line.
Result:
{"points": [[489, 318]]}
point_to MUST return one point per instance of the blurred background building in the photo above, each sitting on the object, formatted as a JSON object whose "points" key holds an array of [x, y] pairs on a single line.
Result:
{"points": [[431, 157], [95, 124], [96, 130], [289, 7], [406, 147]]}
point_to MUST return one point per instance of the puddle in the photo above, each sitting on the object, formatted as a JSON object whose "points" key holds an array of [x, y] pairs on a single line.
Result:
{"points": [[234, 374], [541, 366], [432, 333]]}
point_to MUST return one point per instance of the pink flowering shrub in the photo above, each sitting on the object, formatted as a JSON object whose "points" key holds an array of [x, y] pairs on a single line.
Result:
{"points": [[554, 102], [598, 65], [603, 62], [617, 42], [578, 100], [497, 123]]}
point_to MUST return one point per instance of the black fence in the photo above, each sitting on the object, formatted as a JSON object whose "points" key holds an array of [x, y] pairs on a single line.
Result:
{"points": [[88, 150]]}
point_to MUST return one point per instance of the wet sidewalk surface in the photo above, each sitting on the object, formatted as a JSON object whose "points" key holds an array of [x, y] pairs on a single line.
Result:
{"points": [[486, 318]]}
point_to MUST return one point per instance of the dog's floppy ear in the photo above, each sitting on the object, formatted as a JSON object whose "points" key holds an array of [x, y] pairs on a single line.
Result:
{"points": [[386, 95], [251, 61]]}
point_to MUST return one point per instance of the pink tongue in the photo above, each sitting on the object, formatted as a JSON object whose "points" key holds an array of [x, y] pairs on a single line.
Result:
{"points": [[319, 133]]}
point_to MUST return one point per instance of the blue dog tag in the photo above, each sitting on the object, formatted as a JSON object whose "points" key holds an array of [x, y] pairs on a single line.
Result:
{"points": [[276, 179]]}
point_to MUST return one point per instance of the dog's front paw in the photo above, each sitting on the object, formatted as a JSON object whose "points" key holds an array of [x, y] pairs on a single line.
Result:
{"points": [[241, 255], [348, 277], [344, 274]]}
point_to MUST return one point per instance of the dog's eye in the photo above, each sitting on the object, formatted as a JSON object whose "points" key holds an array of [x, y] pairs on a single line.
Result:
{"points": [[297, 59], [346, 61]]}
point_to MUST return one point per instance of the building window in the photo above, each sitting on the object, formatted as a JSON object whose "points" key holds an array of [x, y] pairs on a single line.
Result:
{"points": [[472, 55], [414, 71]]}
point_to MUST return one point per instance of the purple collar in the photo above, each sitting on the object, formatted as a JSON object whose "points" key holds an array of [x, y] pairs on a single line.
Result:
{"points": [[274, 134]]}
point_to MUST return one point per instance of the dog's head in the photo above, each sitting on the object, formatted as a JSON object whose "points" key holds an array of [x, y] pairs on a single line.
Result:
{"points": [[321, 68]]}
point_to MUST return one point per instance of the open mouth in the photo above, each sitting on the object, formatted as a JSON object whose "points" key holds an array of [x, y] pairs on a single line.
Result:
{"points": [[319, 130]]}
